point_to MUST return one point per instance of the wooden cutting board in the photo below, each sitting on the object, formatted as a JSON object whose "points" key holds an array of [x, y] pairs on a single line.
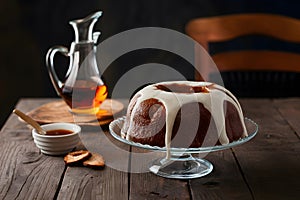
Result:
{"points": [[58, 111]]}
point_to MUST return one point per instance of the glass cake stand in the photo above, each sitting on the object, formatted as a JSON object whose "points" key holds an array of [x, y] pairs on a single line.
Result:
{"points": [[181, 164]]}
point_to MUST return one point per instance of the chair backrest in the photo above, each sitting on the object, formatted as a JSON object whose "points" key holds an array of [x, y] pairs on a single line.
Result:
{"points": [[229, 27]]}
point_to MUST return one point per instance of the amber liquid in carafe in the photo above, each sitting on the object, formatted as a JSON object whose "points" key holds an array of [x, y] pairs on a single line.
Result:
{"points": [[83, 89], [85, 97]]}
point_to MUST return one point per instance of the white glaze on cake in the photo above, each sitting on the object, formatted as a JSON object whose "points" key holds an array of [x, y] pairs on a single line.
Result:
{"points": [[213, 101]]}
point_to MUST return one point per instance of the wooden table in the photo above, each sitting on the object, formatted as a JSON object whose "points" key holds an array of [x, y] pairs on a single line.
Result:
{"points": [[267, 167]]}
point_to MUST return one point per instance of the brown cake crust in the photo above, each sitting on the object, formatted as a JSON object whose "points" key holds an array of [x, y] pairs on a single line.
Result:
{"points": [[194, 125]]}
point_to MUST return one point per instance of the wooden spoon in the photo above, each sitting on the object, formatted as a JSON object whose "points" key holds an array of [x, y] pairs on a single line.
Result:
{"points": [[30, 121]]}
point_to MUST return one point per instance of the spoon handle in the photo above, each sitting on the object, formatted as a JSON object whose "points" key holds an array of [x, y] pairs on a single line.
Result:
{"points": [[30, 121]]}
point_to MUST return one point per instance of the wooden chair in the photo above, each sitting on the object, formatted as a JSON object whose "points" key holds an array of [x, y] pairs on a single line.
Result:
{"points": [[252, 72]]}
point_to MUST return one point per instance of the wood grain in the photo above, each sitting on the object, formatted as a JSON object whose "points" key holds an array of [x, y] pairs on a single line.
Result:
{"points": [[58, 111], [266, 167], [22, 164], [149, 186], [85, 183], [271, 161], [24, 105], [225, 181], [290, 110], [227, 28], [37, 176], [107, 183]]}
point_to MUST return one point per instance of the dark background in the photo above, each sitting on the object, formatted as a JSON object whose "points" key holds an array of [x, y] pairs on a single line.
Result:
{"points": [[28, 28]]}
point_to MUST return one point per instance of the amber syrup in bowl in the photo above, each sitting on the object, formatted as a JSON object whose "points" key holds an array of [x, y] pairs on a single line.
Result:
{"points": [[85, 97], [59, 132]]}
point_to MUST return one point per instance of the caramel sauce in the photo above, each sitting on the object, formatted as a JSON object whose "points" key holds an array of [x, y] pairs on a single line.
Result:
{"points": [[58, 132]]}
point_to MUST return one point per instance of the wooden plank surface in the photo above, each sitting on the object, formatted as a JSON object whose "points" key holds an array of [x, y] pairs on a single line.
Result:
{"points": [[290, 111], [85, 183], [107, 183], [150, 186], [145, 185], [25, 173], [271, 161], [266, 167], [24, 105], [225, 181], [28, 174]]}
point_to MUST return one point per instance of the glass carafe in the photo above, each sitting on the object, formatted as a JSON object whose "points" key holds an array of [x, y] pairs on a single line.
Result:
{"points": [[83, 89]]}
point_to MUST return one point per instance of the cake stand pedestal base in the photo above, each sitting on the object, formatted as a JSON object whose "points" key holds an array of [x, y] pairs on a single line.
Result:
{"points": [[181, 167]]}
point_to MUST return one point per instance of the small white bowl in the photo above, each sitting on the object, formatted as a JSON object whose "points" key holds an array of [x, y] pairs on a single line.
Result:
{"points": [[57, 144]]}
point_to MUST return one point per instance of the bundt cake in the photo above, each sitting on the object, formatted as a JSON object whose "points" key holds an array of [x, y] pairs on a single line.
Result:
{"points": [[184, 114]]}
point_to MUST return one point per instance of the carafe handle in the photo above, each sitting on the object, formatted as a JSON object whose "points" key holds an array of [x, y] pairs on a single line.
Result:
{"points": [[50, 65]]}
